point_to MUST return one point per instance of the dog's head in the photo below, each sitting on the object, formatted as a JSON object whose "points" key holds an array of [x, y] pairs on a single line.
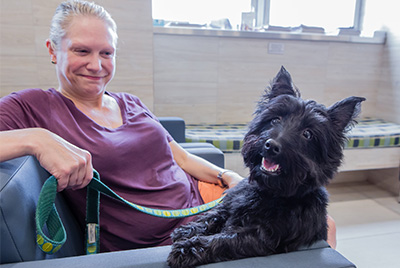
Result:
{"points": [[293, 145]]}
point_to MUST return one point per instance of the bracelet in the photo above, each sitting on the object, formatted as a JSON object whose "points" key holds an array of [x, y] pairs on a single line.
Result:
{"points": [[220, 181]]}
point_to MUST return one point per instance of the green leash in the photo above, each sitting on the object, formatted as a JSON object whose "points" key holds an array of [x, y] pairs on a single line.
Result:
{"points": [[47, 215]]}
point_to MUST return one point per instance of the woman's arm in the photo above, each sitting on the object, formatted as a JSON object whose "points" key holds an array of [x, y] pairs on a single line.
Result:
{"points": [[71, 165], [202, 169]]}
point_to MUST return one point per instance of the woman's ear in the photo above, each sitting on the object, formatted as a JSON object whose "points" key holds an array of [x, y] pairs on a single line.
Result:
{"points": [[52, 53]]}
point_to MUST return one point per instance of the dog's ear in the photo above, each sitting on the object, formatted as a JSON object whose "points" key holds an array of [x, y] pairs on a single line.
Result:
{"points": [[282, 84], [343, 113]]}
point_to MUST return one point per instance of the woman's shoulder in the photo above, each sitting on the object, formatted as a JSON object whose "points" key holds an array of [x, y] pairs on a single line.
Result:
{"points": [[33, 94], [131, 103], [25, 108], [129, 100], [124, 96]]}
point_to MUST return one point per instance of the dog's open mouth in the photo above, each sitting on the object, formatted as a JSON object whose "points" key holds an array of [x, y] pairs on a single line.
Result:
{"points": [[270, 167]]}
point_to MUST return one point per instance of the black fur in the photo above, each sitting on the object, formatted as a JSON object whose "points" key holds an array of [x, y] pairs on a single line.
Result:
{"points": [[282, 205]]}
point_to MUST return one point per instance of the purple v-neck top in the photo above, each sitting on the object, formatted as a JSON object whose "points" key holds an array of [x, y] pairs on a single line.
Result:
{"points": [[134, 160]]}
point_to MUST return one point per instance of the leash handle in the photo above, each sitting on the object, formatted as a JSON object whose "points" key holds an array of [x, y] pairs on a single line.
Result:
{"points": [[47, 215]]}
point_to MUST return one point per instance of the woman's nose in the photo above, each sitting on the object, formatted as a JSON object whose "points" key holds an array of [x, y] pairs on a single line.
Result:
{"points": [[94, 63]]}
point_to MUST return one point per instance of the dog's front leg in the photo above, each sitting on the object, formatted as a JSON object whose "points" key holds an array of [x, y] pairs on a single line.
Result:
{"points": [[205, 224], [188, 253], [199, 250]]}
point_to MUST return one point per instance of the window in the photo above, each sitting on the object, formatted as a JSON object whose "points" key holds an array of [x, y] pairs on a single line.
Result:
{"points": [[329, 15], [200, 12], [325, 15]]}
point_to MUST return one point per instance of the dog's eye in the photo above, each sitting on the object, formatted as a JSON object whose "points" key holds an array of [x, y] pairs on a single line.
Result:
{"points": [[307, 134], [275, 120]]}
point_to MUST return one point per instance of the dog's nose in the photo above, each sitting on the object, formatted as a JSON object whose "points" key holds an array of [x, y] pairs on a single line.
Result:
{"points": [[273, 147]]}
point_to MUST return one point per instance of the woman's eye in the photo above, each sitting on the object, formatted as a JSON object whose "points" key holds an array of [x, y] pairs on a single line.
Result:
{"points": [[107, 54], [81, 51], [307, 134]]}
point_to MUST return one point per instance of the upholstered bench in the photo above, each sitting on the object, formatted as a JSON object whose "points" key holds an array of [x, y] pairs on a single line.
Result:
{"points": [[379, 135]]}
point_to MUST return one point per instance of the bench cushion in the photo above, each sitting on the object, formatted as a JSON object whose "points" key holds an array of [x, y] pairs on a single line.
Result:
{"points": [[368, 133]]}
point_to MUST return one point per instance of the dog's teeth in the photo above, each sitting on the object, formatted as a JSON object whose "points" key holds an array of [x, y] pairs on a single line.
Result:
{"points": [[269, 166], [273, 169]]}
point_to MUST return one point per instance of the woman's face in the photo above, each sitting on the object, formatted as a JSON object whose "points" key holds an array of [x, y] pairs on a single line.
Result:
{"points": [[85, 58]]}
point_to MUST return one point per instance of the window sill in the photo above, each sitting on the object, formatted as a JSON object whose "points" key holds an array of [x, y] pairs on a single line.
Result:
{"points": [[378, 39]]}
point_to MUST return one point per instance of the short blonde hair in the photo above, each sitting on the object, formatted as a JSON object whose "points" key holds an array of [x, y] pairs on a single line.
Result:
{"points": [[67, 10]]}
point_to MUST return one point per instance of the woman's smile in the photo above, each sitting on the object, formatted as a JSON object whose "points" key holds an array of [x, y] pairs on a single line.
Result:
{"points": [[92, 77]]}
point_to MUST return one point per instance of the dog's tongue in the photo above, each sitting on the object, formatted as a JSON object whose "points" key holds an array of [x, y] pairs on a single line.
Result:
{"points": [[269, 166]]}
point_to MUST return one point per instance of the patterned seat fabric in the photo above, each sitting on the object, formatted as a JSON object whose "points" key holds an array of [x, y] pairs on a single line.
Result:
{"points": [[371, 132], [368, 133]]}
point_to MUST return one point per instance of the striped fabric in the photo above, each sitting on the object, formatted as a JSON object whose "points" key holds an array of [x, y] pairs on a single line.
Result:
{"points": [[371, 132], [368, 133], [227, 137]]}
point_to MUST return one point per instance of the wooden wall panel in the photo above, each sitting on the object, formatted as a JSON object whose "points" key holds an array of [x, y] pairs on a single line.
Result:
{"points": [[325, 71], [388, 99], [187, 77]]}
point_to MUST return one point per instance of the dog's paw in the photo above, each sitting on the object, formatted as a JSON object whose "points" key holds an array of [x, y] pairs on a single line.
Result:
{"points": [[187, 253], [182, 232], [189, 230]]}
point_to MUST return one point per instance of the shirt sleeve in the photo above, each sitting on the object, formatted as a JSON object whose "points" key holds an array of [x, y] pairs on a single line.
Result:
{"points": [[22, 109]]}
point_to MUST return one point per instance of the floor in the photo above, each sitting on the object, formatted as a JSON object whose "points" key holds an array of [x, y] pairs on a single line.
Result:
{"points": [[368, 224]]}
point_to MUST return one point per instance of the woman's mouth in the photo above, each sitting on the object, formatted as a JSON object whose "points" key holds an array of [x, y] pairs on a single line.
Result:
{"points": [[91, 77]]}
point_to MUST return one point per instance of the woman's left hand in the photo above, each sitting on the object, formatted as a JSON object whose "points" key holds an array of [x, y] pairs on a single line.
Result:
{"points": [[231, 178]]}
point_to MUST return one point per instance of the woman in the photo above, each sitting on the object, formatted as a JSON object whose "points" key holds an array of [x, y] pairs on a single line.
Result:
{"points": [[81, 126]]}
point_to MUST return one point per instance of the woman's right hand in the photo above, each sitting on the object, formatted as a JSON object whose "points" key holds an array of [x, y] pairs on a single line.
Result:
{"points": [[70, 165]]}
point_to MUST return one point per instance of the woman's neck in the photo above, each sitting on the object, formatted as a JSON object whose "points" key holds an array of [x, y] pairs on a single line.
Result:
{"points": [[103, 109]]}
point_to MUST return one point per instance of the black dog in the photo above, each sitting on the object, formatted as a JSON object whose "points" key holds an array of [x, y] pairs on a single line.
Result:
{"points": [[293, 148]]}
